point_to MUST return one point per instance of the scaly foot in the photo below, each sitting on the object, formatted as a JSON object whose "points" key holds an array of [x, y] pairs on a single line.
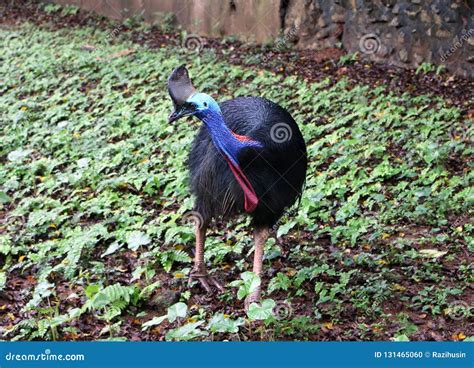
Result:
{"points": [[200, 274]]}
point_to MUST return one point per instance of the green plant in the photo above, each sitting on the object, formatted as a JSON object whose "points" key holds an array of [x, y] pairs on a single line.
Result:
{"points": [[70, 10], [93, 186], [428, 68], [348, 58], [52, 8], [248, 283]]}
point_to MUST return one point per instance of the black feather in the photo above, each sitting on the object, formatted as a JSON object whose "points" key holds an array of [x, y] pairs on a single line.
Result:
{"points": [[277, 172]]}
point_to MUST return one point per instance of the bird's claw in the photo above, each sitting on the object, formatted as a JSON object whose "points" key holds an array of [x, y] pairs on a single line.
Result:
{"points": [[205, 280]]}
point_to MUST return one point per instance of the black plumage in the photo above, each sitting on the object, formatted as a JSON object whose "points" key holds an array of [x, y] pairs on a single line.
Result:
{"points": [[277, 172], [248, 157]]}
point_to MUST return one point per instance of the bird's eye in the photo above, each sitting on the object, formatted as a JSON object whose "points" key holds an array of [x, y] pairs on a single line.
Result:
{"points": [[205, 104]]}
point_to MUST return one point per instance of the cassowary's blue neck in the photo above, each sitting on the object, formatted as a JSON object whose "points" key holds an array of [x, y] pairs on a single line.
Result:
{"points": [[229, 144], [222, 136]]}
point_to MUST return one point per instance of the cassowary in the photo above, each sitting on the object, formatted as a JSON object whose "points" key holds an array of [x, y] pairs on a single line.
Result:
{"points": [[248, 157]]}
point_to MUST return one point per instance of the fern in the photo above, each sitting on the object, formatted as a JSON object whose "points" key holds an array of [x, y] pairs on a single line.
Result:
{"points": [[111, 313], [25, 327], [167, 258], [147, 290], [117, 292], [76, 241]]}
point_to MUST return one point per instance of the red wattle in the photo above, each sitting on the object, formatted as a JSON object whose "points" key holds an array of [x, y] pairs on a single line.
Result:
{"points": [[250, 197], [242, 138]]}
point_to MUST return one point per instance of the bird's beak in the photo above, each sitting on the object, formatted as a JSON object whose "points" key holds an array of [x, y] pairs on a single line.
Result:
{"points": [[180, 112]]}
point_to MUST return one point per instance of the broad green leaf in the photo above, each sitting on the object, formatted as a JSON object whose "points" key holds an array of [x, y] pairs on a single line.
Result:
{"points": [[136, 239], [112, 248], [18, 155], [177, 310], [186, 332], [261, 311], [91, 290], [4, 198], [283, 229], [153, 322], [224, 324], [401, 338], [83, 163], [249, 283]]}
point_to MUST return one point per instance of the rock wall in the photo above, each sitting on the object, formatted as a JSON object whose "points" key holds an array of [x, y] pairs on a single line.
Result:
{"points": [[400, 32], [251, 20]]}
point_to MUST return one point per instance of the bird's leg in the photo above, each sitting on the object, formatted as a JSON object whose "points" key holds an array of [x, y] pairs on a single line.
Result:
{"points": [[260, 237], [199, 270]]}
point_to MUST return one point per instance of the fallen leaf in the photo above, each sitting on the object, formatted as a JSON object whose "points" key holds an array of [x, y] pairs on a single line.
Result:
{"points": [[328, 325], [459, 336], [88, 47], [117, 54], [398, 287], [432, 253]]}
